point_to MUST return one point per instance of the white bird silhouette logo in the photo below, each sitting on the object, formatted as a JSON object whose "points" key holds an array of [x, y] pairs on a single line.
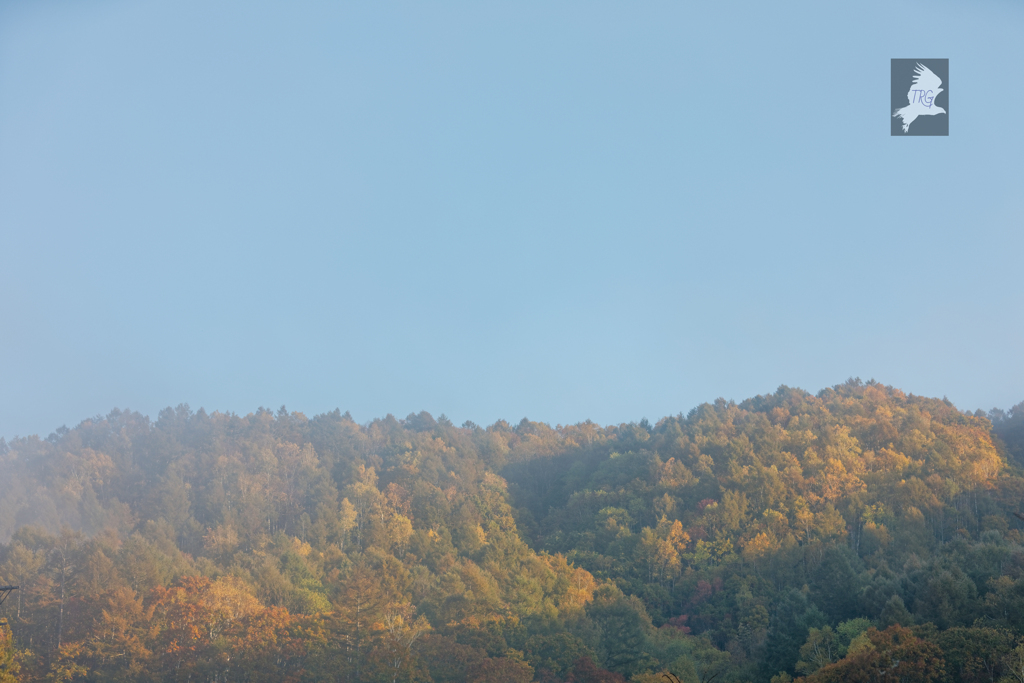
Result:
{"points": [[921, 97]]}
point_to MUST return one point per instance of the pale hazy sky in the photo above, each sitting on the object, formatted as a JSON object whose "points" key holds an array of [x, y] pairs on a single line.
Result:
{"points": [[563, 210]]}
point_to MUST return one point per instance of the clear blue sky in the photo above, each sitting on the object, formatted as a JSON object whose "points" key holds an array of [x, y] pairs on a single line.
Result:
{"points": [[561, 210]]}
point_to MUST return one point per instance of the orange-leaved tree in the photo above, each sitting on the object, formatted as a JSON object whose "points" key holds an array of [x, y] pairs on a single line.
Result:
{"points": [[894, 654]]}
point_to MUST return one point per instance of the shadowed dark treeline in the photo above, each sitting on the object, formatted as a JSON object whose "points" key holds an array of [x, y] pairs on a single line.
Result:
{"points": [[1009, 427], [858, 534]]}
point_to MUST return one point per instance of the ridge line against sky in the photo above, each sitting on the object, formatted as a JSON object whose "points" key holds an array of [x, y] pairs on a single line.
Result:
{"points": [[364, 421]]}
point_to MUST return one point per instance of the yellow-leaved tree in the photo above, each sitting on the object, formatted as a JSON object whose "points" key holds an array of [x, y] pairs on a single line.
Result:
{"points": [[8, 656]]}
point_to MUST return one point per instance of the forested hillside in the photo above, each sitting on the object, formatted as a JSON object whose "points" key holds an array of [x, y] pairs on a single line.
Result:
{"points": [[858, 535]]}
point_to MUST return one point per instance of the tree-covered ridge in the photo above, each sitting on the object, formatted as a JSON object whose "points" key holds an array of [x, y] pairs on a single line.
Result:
{"points": [[789, 535], [754, 523]]}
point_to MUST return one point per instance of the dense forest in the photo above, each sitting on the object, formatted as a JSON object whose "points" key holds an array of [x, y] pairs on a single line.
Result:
{"points": [[861, 534]]}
